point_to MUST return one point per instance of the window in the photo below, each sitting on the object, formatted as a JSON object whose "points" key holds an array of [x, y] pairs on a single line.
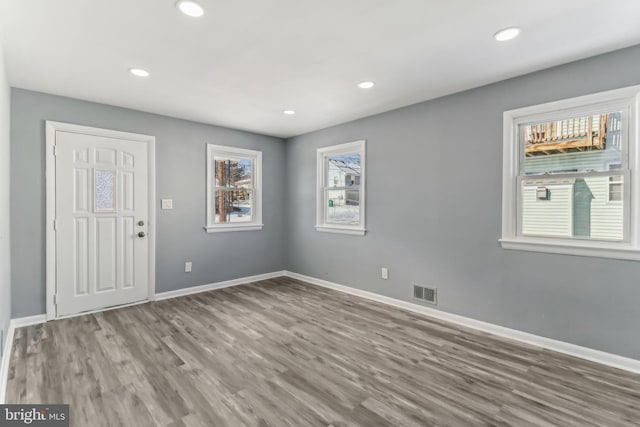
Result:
{"points": [[341, 192], [615, 185], [570, 176], [234, 198]]}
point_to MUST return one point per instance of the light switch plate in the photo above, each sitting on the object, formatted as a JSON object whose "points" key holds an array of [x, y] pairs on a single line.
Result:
{"points": [[188, 266], [167, 204]]}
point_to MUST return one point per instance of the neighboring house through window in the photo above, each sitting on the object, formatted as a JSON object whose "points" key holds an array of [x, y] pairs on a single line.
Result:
{"points": [[341, 188], [234, 197], [569, 182]]}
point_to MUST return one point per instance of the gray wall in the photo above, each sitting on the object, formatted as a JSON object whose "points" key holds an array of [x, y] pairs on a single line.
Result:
{"points": [[434, 215], [181, 168], [5, 274]]}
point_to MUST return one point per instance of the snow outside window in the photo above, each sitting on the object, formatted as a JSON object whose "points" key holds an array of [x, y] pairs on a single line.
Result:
{"points": [[341, 189], [234, 197]]}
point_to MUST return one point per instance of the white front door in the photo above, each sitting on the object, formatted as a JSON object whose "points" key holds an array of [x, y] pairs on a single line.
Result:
{"points": [[101, 222]]}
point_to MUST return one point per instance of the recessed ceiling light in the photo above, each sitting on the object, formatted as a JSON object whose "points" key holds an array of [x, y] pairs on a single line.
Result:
{"points": [[139, 72], [366, 85], [288, 112], [190, 8], [507, 34]]}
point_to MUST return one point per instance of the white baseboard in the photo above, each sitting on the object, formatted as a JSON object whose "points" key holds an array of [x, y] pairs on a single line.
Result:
{"points": [[609, 359], [27, 321], [218, 285]]}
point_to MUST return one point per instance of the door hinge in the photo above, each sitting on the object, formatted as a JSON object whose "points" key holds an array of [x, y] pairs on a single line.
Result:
{"points": [[55, 299], [55, 224], [55, 150]]}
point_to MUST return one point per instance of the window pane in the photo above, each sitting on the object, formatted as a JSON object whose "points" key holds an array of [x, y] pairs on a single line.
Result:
{"points": [[343, 206], [615, 189], [343, 170], [586, 143], [105, 191], [233, 172], [573, 207], [233, 206]]}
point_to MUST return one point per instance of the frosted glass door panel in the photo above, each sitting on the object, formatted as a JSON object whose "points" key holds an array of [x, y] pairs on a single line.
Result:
{"points": [[105, 191]]}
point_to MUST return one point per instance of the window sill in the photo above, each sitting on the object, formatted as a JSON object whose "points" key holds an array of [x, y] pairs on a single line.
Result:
{"points": [[355, 231], [226, 228], [613, 250]]}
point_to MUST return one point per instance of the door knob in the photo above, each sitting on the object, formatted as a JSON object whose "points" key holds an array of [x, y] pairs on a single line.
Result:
{"points": [[140, 223], [141, 234]]}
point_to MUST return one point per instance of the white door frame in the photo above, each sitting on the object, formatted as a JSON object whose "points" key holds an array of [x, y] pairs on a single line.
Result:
{"points": [[50, 170]]}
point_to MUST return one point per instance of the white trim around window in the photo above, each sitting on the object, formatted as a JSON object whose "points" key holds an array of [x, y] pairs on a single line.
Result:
{"points": [[251, 185], [626, 100], [323, 222]]}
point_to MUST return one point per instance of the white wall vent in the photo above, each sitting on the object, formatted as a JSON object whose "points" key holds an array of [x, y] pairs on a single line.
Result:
{"points": [[424, 293]]}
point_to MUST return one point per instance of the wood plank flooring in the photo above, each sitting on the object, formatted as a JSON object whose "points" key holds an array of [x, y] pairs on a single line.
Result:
{"points": [[283, 353]]}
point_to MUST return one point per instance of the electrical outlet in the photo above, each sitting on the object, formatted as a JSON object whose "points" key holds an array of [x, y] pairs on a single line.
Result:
{"points": [[167, 204], [384, 273], [188, 266]]}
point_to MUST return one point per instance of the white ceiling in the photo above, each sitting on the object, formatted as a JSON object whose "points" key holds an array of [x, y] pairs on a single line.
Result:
{"points": [[245, 61]]}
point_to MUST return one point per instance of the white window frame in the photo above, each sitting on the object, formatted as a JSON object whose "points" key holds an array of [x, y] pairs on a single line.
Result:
{"points": [[625, 99], [241, 153], [321, 201]]}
